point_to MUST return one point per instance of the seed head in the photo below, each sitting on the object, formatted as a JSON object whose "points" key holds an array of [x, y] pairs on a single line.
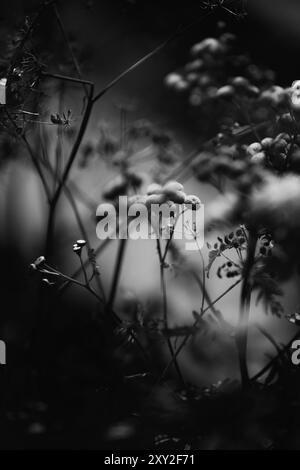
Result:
{"points": [[40, 261], [81, 243], [77, 249]]}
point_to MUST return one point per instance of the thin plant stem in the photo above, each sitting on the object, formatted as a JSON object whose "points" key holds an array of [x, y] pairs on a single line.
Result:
{"points": [[181, 169]]}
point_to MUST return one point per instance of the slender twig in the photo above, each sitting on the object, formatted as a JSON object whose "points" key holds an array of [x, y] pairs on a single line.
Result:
{"points": [[165, 310], [245, 113], [83, 270], [203, 277], [117, 273], [275, 359], [184, 167], [194, 326], [59, 142], [34, 160], [242, 334], [138, 63], [83, 231], [68, 167]]}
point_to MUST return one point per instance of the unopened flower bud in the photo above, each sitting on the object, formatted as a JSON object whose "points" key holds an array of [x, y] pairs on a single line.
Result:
{"points": [[154, 188], [178, 197], [155, 199], [254, 148], [240, 83], [259, 158], [172, 187]]}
